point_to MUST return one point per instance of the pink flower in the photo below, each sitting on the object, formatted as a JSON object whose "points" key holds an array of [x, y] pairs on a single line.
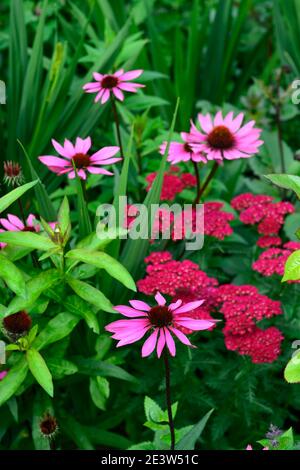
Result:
{"points": [[249, 447], [161, 320], [3, 374], [173, 183], [267, 241], [78, 155], [272, 261], [115, 83], [224, 138], [182, 152], [14, 224]]}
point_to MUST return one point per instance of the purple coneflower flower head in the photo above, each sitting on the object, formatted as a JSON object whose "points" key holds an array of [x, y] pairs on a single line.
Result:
{"points": [[14, 224], [224, 138], [182, 151], [114, 83], [78, 155], [161, 321]]}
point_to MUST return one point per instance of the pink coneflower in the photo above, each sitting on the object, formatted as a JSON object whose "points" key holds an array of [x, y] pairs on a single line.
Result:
{"points": [[161, 320], [78, 155], [14, 224], [224, 138], [182, 151], [115, 83]]}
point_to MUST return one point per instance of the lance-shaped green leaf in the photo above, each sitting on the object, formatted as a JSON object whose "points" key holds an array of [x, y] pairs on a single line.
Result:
{"points": [[188, 441], [90, 294], [98, 241], [94, 367], [27, 239], [56, 329], [287, 182], [292, 267], [39, 370], [11, 197], [292, 370], [12, 276], [64, 217], [15, 377], [106, 262], [35, 287]]}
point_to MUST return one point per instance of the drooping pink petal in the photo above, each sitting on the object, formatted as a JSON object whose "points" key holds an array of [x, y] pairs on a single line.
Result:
{"points": [[8, 226], [105, 96], [118, 93], [53, 161], [175, 305], [81, 173], [196, 325], [99, 95], [97, 76], [160, 299], [161, 342], [129, 311], [205, 122], [131, 87], [99, 171], [188, 307], [140, 305], [138, 336], [184, 339], [150, 343], [71, 175], [170, 342]]}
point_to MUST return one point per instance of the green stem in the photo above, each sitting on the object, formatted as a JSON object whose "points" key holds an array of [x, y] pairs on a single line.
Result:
{"points": [[207, 181], [168, 399], [197, 199], [117, 122]]}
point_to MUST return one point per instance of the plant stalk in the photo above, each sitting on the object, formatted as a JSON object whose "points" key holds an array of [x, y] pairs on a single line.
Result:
{"points": [[207, 181], [117, 122], [197, 174], [168, 399]]}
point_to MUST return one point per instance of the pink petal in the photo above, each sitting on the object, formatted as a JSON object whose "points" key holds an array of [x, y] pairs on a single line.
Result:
{"points": [[91, 87], [189, 306], [170, 342], [109, 161], [118, 94], [118, 73], [100, 94], [97, 76], [104, 153], [205, 122], [8, 226], [105, 96], [161, 342], [130, 75], [62, 150], [139, 335], [53, 161], [69, 147], [83, 145], [132, 87], [14, 220], [140, 305], [196, 325], [72, 175], [99, 171], [228, 119], [150, 343], [81, 173], [130, 312], [31, 219], [184, 339], [218, 121], [236, 123], [175, 305], [160, 299]]}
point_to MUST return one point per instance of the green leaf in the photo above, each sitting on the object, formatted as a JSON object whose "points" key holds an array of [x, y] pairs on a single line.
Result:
{"points": [[64, 216], [292, 267], [292, 370], [11, 197], [286, 181], [56, 329], [39, 370], [35, 287], [12, 276], [94, 367], [27, 239], [143, 102], [12, 381], [99, 390], [41, 405], [188, 442], [104, 261], [61, 367], [90, 294]]}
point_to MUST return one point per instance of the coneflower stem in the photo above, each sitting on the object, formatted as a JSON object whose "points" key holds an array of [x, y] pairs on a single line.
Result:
{"points": [[207, 181], [117, 122], [197, 199], [168, 399], [83, 186]]}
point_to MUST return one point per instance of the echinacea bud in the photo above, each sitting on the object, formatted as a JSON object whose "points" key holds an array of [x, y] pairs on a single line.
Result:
{"points": [[13, 175], [17, 325], [48, 426]]}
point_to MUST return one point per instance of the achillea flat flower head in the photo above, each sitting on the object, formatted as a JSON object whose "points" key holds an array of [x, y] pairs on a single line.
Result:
{"points": [[114, 84], [16, 325], [162, 321], [224, 138], [78, 155], [266, 241], [48, 426], [13, 175], [173, 183]]}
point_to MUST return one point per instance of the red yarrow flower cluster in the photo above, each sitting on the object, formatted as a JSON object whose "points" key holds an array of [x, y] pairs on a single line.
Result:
{"points": [[266, 241], [173, 184], [242, 307], [272, 261], [262, 210]]}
